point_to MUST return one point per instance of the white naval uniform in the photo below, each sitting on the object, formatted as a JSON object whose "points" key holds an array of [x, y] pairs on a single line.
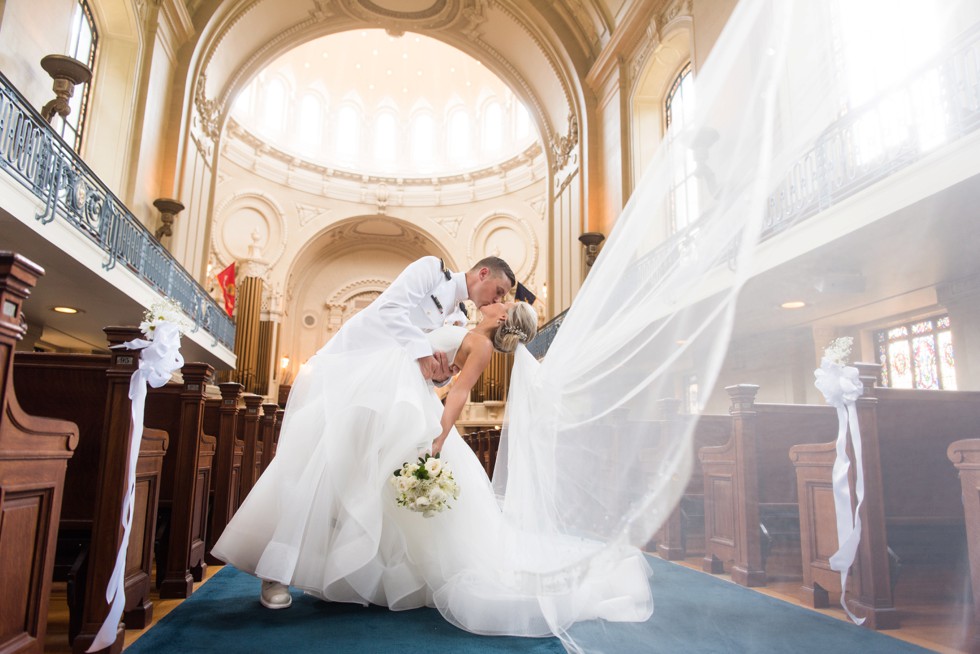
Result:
{"points": [[419, 300]]}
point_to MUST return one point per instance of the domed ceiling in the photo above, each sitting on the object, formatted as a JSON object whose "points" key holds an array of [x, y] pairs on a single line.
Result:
{"points": [[385, 104]]}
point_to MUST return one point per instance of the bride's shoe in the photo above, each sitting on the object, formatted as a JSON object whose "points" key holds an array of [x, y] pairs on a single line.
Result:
{"points": [[275, 595]]}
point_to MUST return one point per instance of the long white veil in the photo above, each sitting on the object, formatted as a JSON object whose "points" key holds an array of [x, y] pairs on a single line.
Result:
{"points": [[787, 122]]}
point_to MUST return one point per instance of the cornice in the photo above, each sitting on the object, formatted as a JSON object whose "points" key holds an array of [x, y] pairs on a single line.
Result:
{"points": [[634, 24]]}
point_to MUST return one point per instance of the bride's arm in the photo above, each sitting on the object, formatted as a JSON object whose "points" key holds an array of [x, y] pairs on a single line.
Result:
{"points": [[476, 362]]}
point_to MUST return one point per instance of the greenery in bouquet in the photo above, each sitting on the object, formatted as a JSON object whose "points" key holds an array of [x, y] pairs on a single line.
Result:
{"points": [[425, 486]]}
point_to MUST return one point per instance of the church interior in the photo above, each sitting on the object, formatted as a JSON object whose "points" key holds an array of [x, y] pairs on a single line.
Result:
{"points": [[270, 166]]}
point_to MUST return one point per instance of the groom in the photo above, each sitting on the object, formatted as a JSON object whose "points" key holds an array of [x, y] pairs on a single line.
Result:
{"points": [[420, 299]]}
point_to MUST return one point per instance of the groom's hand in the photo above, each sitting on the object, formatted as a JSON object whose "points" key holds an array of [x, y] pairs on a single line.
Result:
{"points": [[435, 367]]}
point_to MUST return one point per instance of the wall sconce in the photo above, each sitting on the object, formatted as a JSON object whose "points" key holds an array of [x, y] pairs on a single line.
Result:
{"points": [[66, 73], [284, 363], [591, 241], [168, 211]]}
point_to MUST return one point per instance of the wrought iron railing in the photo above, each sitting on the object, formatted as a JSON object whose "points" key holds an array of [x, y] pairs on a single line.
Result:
{"points": [[542, 341], [37, 157]]}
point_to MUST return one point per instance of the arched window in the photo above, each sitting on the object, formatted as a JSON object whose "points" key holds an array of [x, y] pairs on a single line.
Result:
{"points": [[422, 137], [274, 105], [386, 139], [310, 122], [522, 119], [679, 103], [678, 112], [458, 133], [82, 46], [348, 133], [493, 127], [243, 103]]}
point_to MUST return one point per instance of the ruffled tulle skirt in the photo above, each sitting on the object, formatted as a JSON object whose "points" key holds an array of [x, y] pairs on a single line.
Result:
{"points": [[323, 516]]}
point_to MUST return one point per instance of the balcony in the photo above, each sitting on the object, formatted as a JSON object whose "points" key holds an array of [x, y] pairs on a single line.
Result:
{"points": [[97, 255]]}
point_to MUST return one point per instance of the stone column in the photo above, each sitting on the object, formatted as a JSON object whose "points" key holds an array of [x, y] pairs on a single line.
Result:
{"points": [[248, 310]]}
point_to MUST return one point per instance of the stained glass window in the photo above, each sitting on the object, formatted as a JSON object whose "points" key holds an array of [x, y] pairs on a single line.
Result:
{"points": [[81, 46], [918, 355]]}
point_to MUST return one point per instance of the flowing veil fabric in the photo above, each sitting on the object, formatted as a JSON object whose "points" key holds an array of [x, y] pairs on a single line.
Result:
{"points": [[783, 111]]}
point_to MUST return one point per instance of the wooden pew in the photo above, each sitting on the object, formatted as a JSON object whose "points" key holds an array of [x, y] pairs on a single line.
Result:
{"points": [[965, 455], [34, 452], [682, 534], [492, 445], [82, 388], [268, 433], [178, 409], [750, 477], [912, 501], [221, 418], [280, 414], [250, 428]]}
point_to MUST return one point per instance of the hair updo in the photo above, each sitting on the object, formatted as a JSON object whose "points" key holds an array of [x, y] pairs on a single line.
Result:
{"points": [[520, 326]]}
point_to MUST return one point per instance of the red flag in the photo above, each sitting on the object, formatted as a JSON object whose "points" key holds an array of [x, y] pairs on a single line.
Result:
{"points": [[226, 279]]}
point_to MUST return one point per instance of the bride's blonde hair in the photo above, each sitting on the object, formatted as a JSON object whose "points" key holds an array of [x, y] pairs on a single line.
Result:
{"points": [[520, 326]]}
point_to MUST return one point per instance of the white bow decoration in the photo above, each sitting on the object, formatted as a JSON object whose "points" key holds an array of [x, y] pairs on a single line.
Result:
{"points": [[841, 387], [159, 358]]}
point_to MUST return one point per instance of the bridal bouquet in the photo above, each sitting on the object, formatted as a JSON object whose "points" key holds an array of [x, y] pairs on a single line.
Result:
{"points": [[425, 486]]}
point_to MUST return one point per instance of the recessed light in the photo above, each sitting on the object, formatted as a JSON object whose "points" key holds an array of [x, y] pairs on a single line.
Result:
{"points": [[794, 304], [68, 310]]}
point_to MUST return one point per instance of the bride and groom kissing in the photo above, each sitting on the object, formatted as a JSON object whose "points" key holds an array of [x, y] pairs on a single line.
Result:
{"points": [[319, 519]]}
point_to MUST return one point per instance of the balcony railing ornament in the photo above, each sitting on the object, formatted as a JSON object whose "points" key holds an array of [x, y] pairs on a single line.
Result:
{"points": [[67, 73]]}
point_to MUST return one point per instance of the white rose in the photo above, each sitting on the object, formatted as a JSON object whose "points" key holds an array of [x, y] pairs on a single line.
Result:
{"points": [[437, 495], [433, 467], [422, 502]]}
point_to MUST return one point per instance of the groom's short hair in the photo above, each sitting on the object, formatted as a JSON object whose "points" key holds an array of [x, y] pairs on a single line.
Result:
{"points": [[497, 266]]}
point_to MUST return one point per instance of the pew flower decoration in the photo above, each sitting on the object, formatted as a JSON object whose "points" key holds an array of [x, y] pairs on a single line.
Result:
{"points": [[159, 357], [426, 486], [838, 381], [841, 387], [162, 311]]}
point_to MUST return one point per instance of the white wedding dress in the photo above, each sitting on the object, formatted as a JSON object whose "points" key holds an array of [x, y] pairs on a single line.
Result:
{"points": [[323, 516]]}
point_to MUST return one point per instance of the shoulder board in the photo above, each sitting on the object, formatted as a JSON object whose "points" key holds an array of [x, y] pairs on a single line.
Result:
{"points": [[445, 271]]}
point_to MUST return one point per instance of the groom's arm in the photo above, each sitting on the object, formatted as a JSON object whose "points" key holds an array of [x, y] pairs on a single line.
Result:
{"points": [[410, 289]]}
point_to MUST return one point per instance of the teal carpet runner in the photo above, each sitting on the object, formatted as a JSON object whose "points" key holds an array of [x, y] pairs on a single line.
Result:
{"points": [[693, 612]]}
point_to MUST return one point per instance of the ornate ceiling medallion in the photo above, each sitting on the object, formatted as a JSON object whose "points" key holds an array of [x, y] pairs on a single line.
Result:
{"points": [[398, 16]]}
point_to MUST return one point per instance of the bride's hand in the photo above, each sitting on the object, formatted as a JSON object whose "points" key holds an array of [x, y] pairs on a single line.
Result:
{"points": [[437, 445]]}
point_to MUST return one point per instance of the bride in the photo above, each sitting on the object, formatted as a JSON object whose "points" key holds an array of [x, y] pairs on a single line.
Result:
{"points": [[323, 518]]}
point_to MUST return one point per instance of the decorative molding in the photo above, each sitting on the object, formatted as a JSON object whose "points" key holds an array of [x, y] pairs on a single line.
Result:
{"points": [[491, 227], [344, 294], [563, 146], [263, 148], [307, 213], [267, 207], [449, 223], [208, 111]]}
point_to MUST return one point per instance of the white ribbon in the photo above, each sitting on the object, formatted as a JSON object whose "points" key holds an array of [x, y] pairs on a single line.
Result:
{"points": [[158, 360], [841, 387]]}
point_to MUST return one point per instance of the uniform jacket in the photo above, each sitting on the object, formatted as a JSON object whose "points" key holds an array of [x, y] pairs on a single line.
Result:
{"points": [[420, 299]]}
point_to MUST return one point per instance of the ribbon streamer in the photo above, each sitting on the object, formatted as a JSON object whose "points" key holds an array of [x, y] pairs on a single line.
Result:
{"points": [[841, 387], [159, 358]]}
